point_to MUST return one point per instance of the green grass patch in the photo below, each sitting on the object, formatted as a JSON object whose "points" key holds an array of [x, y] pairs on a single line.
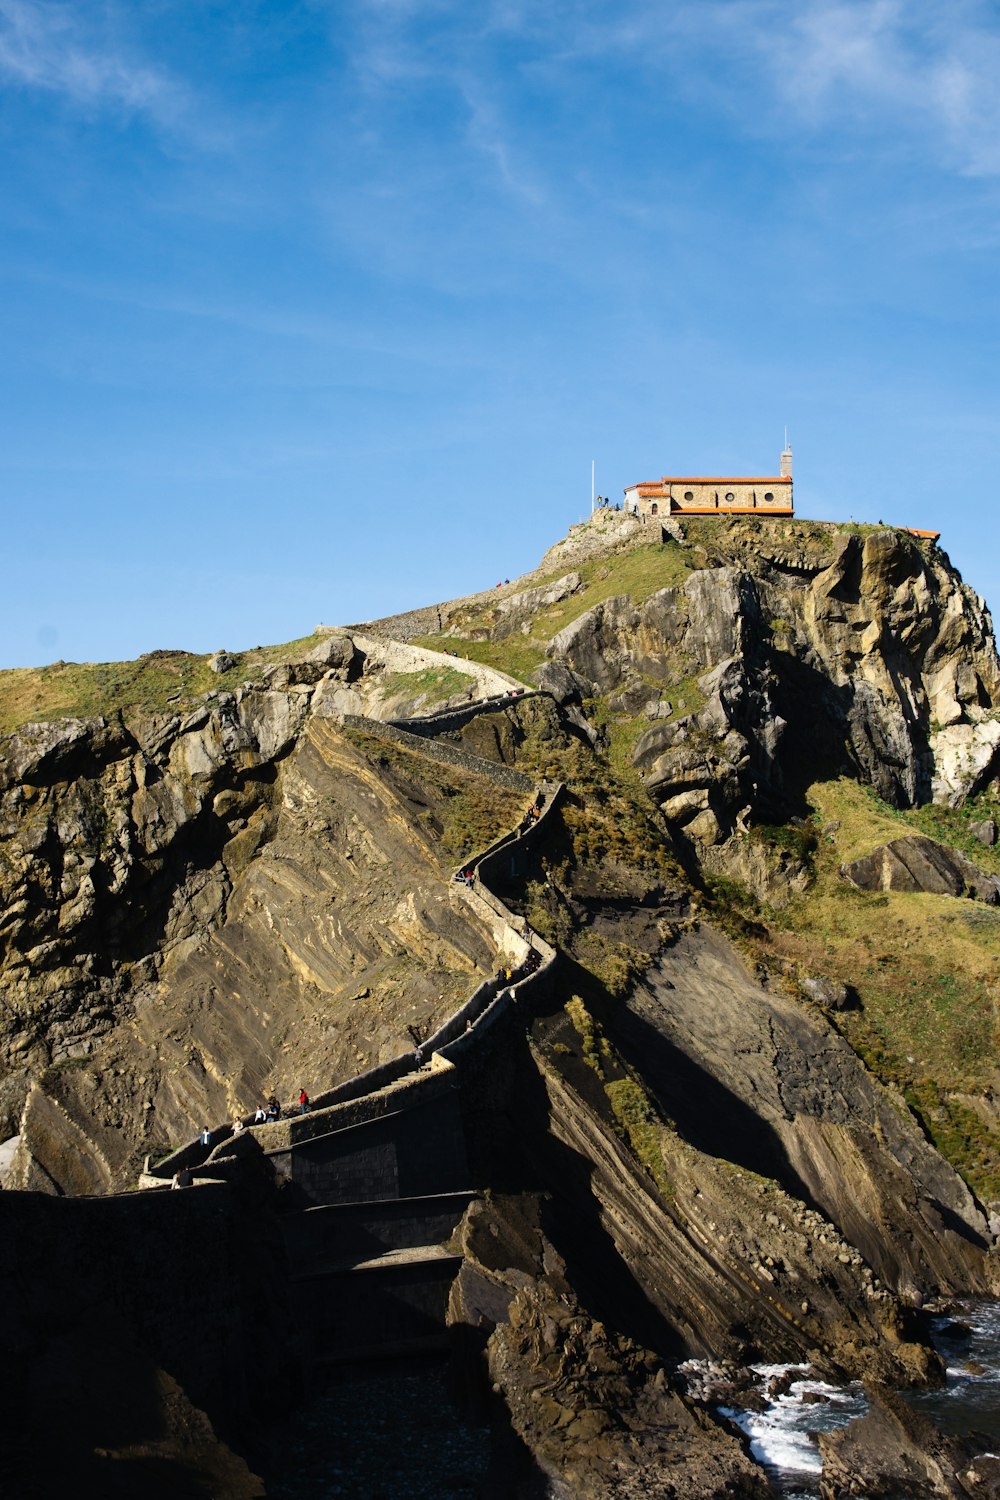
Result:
{"points": [[161, 681], [435, 683], [641, 1127], [592, 1043], [512, 655], [926, 969], [638, 572]]}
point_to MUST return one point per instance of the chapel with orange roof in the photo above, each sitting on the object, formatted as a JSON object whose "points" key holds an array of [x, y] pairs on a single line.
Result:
{"points": [[671, 496]]}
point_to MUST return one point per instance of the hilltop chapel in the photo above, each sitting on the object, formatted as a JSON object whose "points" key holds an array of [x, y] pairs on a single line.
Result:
{"points": [[672, 496]]}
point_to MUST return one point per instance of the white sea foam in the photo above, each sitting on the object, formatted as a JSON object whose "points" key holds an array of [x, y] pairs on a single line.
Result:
{"points": [[784, 1437], [776, 1442]]}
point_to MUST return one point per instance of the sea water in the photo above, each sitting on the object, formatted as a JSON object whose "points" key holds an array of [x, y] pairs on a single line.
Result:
{"points": [[784, 1437]]}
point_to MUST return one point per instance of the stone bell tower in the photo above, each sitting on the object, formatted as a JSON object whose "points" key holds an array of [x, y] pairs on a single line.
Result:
{"points": [[786, 461]]}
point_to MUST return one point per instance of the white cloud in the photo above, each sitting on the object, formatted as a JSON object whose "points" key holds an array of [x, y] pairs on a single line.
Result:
{"points": [[893, 71], [46, 46]]}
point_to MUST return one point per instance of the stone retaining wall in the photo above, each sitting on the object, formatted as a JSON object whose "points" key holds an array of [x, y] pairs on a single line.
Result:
{"points": [[450, 719]]}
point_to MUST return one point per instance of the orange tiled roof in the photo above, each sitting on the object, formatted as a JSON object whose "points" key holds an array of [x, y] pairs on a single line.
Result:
{"points": [[727, 479], [656, 484]]}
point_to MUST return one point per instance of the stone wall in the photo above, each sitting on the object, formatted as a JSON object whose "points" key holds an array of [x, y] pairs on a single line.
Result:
{"points": [[379, 1157], [696, 496], [362, 1231], [451, 719], [195, 1277], [400, 656], [388, 1308]]}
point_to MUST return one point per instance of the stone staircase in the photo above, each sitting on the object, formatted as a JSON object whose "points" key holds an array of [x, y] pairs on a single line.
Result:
{"points": [[373, 1182], [372, 1279]]}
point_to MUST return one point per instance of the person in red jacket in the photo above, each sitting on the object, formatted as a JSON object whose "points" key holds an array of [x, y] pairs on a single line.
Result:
{"points": [[303, 1103]]}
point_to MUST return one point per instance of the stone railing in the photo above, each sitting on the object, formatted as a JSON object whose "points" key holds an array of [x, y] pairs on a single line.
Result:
{"points": [[424, 1072], [400, 656], [449, 719]]}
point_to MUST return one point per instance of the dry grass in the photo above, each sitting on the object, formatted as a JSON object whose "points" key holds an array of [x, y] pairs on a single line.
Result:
{"points": [[639, 573], [926, 968], [159, 681]]}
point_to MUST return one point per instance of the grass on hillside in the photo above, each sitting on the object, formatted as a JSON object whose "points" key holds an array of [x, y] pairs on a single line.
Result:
{"points": [[926, 968], [433, 683], [159, 681], [639, 573]]}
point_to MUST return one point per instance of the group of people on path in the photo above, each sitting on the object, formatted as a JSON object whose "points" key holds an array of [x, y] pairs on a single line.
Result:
{"points": [[264, 1114], [513, 974]]}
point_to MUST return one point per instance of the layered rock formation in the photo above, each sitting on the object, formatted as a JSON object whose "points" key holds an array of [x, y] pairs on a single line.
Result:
{"points": [[789, 651], [253, 891], [200, 909]]}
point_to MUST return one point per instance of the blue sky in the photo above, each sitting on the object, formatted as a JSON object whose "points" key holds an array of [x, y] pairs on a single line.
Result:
{"points": [[314, 311]]}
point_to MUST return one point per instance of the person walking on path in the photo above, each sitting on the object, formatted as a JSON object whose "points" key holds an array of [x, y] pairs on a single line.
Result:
{"points": [[303, 1103]]}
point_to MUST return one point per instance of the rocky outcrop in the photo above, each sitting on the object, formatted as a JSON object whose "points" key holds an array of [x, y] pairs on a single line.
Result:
{"points": [[916, 863], [514, 610], [749, 1075], [616, 1432], [871, 642], [597, 1411], [966, 759], [200, 913], [893, 1451]]}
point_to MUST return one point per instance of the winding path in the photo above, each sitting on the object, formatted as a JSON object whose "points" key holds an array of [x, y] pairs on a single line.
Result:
{"points": [[374, 1179]]}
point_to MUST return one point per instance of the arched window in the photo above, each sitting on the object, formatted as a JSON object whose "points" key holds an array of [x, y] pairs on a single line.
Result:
{"points": [[654, 509]]}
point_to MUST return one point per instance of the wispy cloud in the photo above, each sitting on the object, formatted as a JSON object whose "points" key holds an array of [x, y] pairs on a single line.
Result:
{"points": [[51, 47], [896, 70], [923, 73], [436, 44]]}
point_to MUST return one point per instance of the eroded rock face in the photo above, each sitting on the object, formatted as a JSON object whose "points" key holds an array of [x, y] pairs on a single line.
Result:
{"points": [[749, 1075], [598, 1415], [877, 645], [597, 1411], [893, 1450], [191, 909]]}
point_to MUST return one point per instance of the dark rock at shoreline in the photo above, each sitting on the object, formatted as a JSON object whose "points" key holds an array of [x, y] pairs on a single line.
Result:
{"points": [[895, 1451]]}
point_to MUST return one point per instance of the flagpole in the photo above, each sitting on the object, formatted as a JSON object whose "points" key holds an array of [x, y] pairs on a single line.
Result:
{"points": [[592, 462]]}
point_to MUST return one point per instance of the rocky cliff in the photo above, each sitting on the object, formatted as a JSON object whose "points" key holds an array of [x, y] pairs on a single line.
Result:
{"points": [[759, 1111]]}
